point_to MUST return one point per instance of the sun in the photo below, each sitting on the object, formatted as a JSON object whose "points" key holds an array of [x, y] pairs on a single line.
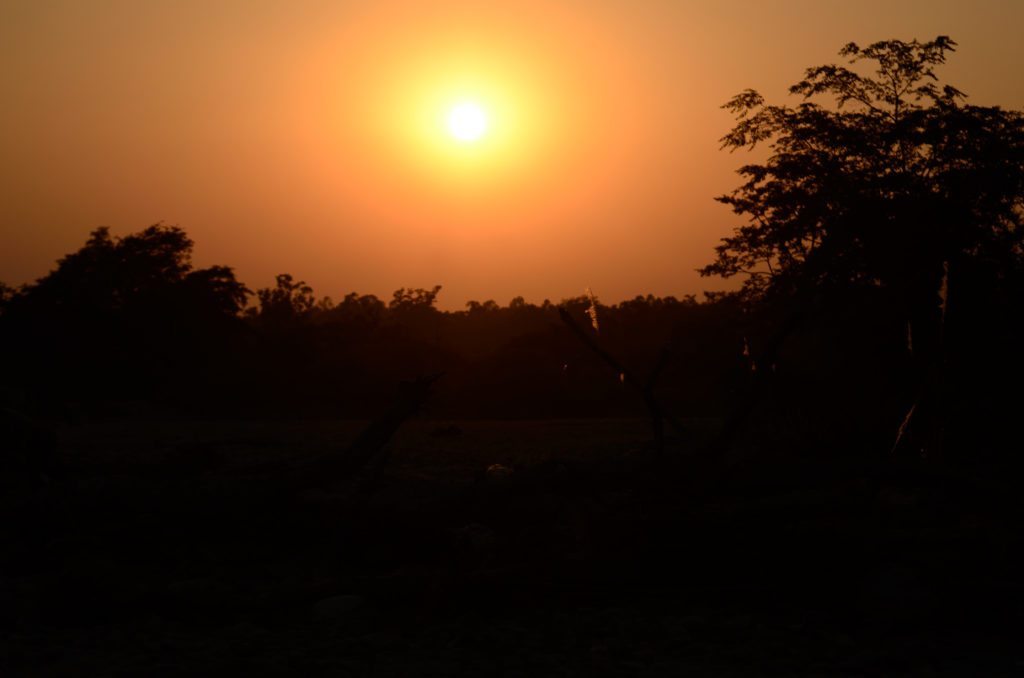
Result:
{"points": [[467, 121]]}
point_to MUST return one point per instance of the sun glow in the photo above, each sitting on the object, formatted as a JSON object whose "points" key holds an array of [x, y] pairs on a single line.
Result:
{"points": [[453, 126], [466, 127], [467, 121]]}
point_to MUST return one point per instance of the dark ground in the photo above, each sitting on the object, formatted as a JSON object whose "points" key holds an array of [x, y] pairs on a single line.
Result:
{"points": [[181, 548]]}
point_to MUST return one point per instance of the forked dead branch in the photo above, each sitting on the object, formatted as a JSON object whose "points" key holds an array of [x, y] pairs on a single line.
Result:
{"points": [[645, 387]]}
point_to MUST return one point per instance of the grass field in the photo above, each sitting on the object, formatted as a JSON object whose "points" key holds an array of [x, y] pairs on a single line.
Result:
{"points": [[171, 547]]}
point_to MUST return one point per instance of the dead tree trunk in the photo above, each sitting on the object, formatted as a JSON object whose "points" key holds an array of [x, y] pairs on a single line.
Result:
{"points": [[411, 397], [644, 388], [336, 466]]}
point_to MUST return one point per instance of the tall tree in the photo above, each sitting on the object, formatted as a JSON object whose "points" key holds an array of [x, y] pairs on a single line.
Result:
{"points": [[887, 185], [882, 184], [131, 310], [151, 268], [285, 303]]}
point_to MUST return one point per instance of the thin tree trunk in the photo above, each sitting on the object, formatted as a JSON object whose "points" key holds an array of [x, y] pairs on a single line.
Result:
{"points": [[646, 388]]}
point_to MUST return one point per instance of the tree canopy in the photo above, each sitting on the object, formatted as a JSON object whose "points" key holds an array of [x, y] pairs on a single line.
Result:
{"points": [[121, 312], [151, 269], [888, 184]]}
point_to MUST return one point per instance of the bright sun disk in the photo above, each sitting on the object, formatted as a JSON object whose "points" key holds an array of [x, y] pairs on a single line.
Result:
{"points": [[467, 121]]}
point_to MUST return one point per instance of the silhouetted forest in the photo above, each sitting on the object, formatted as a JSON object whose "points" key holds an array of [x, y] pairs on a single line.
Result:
{"points": [[819, 471], [127, 326], [129, 322]]}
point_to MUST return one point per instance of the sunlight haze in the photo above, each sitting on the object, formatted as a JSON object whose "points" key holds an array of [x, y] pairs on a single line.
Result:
{"points": [[497, 149]]}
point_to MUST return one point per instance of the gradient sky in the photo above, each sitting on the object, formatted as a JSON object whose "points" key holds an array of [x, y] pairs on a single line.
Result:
{"points": [[302, 137]]}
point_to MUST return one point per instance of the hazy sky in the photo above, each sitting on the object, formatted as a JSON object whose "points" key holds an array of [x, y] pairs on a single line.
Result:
{"points": [[308, 137]]}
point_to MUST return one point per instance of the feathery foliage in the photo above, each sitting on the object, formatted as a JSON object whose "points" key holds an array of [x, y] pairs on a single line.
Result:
{"points": [[879, 187]]}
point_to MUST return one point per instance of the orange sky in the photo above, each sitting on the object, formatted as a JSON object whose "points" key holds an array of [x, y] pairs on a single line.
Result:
{"points": [[302, 137]]}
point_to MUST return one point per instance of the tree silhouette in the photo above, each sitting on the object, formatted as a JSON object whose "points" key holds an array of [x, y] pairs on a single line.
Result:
{"points": [[6, 294], [358, 311], [894, 194], [284, 303], [151, 268], [488, 306], [417, 300], [122, 312], [885, 187]]}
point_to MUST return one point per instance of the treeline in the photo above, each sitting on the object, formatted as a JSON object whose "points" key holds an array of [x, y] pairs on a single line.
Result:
{"points": [[129, 326], [129, 322]]}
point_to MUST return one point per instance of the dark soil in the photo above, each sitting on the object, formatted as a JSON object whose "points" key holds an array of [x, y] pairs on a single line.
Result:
{"points": [[561, 548]]}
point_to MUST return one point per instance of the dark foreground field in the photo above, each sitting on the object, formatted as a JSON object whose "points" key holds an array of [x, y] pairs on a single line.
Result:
{"points": [[183, 548]]}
